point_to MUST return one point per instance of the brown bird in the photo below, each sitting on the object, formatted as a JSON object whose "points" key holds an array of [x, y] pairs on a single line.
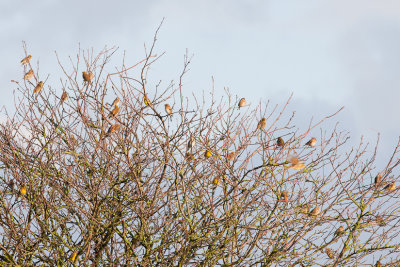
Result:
{"points": [[378, 179], [262, 123], [330, 253], [115, 102], [64, 96], [339, 231], [295, 163], [378, 264], [114, 112], [280, 142], [168, 109], [312, 142], [230, 156], [380, 221], [26, 60], [315, 211], [38, 88], [192, 142], [242, 103], [391, 187], [284, 196], [87, 76], [28, 75], [113, 128]]}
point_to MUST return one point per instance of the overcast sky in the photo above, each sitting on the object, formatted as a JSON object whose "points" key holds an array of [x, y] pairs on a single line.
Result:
{"points": [[328, 53]]}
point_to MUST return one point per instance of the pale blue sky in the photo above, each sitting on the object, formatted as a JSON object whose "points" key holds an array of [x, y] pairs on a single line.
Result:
{"points": [[329, 53]]}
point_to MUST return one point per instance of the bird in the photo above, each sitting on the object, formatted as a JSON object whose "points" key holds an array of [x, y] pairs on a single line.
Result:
{"points": [[23, 190], [295, 163], [113, 128], [391, 187], [87, 76], [73, 256], [304, 209], [330, 253], [378, 179], [230, 156], [26, 60], [146, 101], [192, 142], [284, 196], [207, 154], [29, 75], [312, 142], [38, 88], [64, 96], [262, 123], [168, 109], [242, 103], [315, 211], [216, 181], [114, 112], [115, 102], [339, 231], [280, 142], [380, 221], [378, 264]]}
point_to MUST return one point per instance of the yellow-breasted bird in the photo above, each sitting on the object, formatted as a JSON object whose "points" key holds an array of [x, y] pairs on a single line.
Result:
{"points": [[378, 264], [26, 60], [64, 96], [28, 75], [312, 142], [284, 196], [280, 142], [216, 181], [114, 112], [147, 101], [339, 231], [207, 154], [262, 123], [115, 102], [330, 253], [242, 103], [23, 190], [38, 88], [73, 256], [168, 109], [304, 209], [192, 142], [230, 156], [315, 211], [378, 179], [87, 76], [391, 187]]}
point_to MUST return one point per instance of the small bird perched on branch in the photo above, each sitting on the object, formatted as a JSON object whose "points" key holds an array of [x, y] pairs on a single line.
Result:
{"points": [[26, 60], [114, 112], [378, 179], [28, 75], [192, 142], [87, 76], [242, 103], [280, 142], [115, 102], [339, 231], [262, 124], [391, 187], [312, 142], [284, 196], [113, 128], [168, 109], [38, 88], [315, 211], [64, 96]]}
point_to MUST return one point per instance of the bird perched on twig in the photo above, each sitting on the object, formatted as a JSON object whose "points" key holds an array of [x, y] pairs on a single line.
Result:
{"points": [[38, 88], [315, 211], [242, 103], [114, 112], [262, 124], [192, 142], [28, 75], [312, 142], [87, 76], [280, 142], [168, 109], [147, 101], [26, 60], [284, 196], [113, 128], [378, 179], [391, 187], [115, 102], [64, 96], [339, 231]]}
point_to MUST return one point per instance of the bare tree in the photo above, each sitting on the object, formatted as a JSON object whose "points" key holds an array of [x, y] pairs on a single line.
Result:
{"points": [[110, 169]]}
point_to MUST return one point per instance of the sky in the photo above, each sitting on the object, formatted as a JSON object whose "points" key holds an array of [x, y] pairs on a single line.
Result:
{"points": [[329, 54]]}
